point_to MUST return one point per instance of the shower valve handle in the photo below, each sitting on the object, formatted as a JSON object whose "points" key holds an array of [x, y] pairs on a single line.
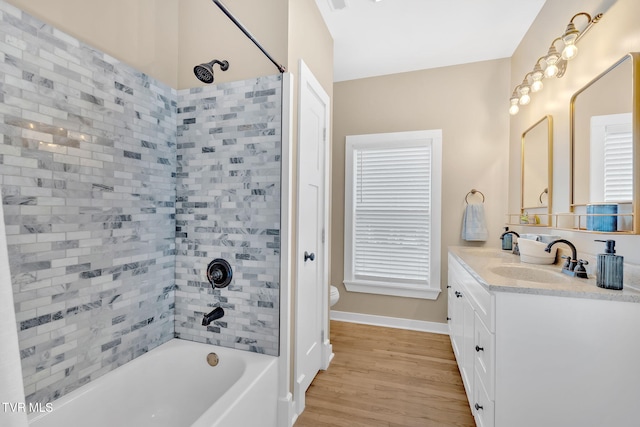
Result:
{"points": [[309, 256]]}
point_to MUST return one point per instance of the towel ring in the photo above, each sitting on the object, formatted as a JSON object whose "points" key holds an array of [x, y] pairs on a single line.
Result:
{"points": [[473, 191], [545, 191]]}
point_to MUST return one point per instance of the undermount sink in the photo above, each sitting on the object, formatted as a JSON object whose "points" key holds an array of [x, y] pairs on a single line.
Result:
{"points": [[529, 274]]}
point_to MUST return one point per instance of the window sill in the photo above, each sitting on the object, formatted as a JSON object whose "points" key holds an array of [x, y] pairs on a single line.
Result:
{"points": [[392, 289]]}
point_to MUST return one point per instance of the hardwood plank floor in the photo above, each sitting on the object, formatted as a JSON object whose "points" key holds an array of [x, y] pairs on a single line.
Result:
{"points": [[388, 378]]}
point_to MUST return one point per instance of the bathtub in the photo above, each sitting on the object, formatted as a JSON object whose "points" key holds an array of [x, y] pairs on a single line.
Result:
{"points": [[174, 386]]}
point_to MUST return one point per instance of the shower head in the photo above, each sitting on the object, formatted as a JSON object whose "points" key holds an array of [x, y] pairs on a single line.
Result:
{"points": [[204, 72]]}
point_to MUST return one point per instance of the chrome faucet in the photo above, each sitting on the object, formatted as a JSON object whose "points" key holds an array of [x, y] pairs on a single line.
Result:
{"points": [[217, 313], [573, 266]]}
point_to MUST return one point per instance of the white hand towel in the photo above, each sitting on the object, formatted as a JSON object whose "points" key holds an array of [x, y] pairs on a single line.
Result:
{"points": [[474, 227]]}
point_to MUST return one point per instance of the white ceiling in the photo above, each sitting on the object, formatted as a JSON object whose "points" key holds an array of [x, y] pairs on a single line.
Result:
{"points": [[373, 38]]}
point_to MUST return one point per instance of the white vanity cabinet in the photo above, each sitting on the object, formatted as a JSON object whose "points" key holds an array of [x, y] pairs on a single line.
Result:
{"points": [[472, 339], [542, 359], [461, 315]]}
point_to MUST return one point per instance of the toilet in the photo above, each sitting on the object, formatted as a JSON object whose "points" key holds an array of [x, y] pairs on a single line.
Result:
{"points": [[334, 296]]}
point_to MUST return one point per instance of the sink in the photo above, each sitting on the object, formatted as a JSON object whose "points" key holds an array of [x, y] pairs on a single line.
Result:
{"points": [[530, 274], [533, 252]]}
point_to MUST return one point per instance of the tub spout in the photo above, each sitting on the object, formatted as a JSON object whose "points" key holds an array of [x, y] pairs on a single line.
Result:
{"points": [[217, 313]]}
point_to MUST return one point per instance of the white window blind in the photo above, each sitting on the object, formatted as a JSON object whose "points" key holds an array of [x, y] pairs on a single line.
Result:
{"points": [[618, 163], [611, 158], [392, 213]]}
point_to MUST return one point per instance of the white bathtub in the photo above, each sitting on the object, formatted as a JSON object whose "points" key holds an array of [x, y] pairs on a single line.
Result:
{"points": [[174, 386]]}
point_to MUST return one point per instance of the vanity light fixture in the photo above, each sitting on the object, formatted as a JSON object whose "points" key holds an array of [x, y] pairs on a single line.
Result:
{"points": [[553, 64]]}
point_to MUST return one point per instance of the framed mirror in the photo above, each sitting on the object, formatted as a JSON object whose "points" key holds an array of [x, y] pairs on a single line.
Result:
{"points": [[604, 150], [536, 173]]}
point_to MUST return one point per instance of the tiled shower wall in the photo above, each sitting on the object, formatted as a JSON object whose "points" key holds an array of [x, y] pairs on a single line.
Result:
{"points": [[88, 167], [228, 206]]}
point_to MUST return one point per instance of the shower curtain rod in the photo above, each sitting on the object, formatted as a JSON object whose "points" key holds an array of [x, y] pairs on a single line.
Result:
{"points": [[246, 32]]}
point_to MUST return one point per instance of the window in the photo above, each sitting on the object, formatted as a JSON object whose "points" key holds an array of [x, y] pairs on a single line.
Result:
{"points": [[611, 158], [392, 213]]}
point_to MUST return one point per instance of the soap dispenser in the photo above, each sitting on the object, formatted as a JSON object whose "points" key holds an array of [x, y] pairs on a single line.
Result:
{"points": [[609, 267], [507, 240]]}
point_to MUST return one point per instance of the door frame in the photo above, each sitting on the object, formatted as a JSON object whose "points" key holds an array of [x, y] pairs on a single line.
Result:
{"points": [[308, 79], [286, 408]]}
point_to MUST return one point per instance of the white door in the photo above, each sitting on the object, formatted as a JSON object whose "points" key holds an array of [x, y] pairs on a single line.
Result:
{"points": [[312, 291]]}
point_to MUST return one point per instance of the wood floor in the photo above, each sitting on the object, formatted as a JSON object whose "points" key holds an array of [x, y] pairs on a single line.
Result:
{"points": [[387, 377]]}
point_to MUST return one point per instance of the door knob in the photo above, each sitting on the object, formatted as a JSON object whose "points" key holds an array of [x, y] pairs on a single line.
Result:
{"points": [[309, 256]]}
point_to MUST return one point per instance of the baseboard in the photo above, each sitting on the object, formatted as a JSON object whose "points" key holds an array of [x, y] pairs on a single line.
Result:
{"points": [[327, 354], [390, 322], [286, 411]]}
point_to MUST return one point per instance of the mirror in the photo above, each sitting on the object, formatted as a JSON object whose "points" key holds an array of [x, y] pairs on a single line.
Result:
{"points": [[536, 172], [604, 142]]}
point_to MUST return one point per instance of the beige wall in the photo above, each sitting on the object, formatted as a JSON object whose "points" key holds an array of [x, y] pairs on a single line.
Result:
{"points": [[616, 34], [167, 38], [309, 38], [141, 33], [468, 103]]}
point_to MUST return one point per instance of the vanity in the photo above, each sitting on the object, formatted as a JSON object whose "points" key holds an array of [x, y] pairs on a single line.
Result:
{"points": [[536, 347]]}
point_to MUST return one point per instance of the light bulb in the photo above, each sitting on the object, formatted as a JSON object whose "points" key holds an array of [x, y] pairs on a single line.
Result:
{"points": [[570, 51], [569, 39], [536, 86], [525, 98], [551, 70], [513, 109], [537, 75], [551, 59]]}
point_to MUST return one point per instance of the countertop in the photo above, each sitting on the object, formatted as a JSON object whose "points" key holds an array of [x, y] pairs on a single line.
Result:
{"points": [[484, 264]]}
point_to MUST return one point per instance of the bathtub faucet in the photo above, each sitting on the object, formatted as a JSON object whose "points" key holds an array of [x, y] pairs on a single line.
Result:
{"points": [[217, 313]]}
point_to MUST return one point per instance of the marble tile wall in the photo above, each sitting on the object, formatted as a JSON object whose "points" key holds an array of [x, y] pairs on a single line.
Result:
{"points": [[228, 206], [87, 170]]}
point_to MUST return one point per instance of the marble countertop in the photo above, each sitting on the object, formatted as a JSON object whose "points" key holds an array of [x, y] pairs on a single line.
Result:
{"points": [[491, 268]]}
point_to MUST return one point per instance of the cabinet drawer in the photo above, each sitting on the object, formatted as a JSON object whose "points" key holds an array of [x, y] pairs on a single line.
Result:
{"points": [[484, 349], [482, 406], [480, 298]]}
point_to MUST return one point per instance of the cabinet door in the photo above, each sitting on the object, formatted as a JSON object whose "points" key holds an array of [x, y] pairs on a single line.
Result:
{"points": [[468, 339], [485, 355], [455, 317], [482, 406]]}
